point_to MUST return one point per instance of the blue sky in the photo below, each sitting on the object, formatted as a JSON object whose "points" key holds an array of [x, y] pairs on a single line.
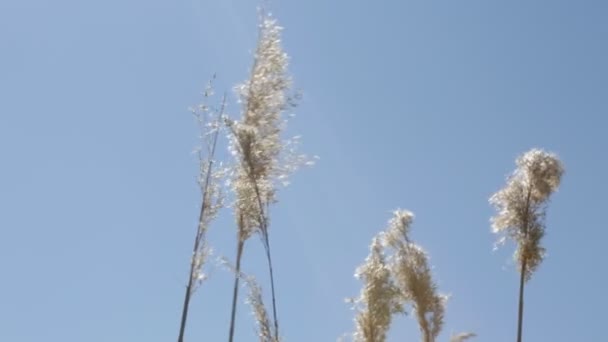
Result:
{"points": [[413, 104]]}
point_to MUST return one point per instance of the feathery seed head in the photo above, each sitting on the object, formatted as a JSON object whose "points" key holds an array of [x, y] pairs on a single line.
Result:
{"points": [[398, 228], [378, 300], [462, 337], [263, 158], [412, 273], [541, 171], [255, 300], [522, 202]]}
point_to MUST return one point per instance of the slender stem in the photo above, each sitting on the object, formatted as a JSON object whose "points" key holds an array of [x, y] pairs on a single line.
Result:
{"points": [[522, 277], [520, 317], [197, 241], [263, 221], [266, 240], [274, 304], [184, 318], [235, 290]]}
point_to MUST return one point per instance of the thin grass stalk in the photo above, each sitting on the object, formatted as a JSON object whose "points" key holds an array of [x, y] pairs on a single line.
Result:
{"points": [[263, 221], [235, 290], [271, 273], [266, 242], [255, 300], [520, 312], [522, 277], [200, 232]]}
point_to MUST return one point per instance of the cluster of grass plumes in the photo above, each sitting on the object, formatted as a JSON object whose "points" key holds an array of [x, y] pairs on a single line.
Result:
{"points": [[394, 283], [396, 275]]}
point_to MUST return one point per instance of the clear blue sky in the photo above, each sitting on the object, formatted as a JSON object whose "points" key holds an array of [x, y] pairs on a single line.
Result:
{"points": [[413, 104]]}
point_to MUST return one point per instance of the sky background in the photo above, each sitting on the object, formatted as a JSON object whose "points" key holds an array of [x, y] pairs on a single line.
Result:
{"points": [[422, 105]]}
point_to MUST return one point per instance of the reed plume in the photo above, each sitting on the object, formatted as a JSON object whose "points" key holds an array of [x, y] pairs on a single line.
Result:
{"points": [[264, 159], [521, 207], [210, 178], [412, 273]]}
